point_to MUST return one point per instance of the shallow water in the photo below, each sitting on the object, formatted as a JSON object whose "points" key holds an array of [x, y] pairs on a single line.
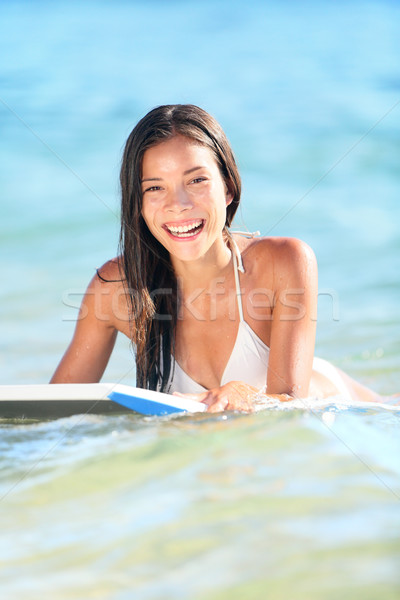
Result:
{"points": [[298, 503], [277, 504]]}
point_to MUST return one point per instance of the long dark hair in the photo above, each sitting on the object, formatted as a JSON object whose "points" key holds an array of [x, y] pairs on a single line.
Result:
{"points": [[149, 279]]}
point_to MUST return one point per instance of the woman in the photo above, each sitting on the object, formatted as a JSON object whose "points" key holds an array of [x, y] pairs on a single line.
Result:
{"points": [[215, 315]]}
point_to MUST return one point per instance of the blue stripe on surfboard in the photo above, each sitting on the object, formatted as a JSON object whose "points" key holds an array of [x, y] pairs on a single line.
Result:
{"points": [[142, 405]]}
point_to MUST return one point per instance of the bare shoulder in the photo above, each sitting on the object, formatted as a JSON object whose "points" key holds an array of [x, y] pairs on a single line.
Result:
{"points": [[106, 298], [111, 271], [108, 277], [106, 283], [280, 248], [283, 255], [290, 250]]}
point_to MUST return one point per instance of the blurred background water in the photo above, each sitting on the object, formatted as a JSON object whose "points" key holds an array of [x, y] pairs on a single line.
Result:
{"points": [[277, 505]]}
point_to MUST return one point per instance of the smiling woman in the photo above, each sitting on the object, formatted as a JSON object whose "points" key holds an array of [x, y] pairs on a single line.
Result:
{"points": [[198, 326], [186, 202]]}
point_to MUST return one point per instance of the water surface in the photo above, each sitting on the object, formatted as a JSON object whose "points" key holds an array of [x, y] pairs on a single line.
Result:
{"points": [[299, 504]]}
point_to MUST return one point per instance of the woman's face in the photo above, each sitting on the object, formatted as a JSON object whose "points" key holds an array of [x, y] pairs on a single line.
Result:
{"points": [[184, 197]]}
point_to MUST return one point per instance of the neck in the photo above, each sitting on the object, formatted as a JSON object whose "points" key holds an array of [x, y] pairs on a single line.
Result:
{"points": [[201, 272]]}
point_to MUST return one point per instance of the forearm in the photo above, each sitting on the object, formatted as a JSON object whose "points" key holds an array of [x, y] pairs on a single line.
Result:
{"points": [[84, 362]]}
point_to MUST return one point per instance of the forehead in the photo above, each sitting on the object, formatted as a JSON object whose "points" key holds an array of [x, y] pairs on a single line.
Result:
{"points": [[177, 153]]}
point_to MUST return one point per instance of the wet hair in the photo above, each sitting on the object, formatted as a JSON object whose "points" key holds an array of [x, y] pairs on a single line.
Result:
{"points": [[146, 269]]}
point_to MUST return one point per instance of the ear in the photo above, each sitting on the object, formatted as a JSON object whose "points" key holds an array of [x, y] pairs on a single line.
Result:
{"points": [[228, 196]]}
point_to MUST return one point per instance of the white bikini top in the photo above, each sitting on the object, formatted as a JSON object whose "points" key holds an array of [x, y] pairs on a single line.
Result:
{"points": [[248, 361]]}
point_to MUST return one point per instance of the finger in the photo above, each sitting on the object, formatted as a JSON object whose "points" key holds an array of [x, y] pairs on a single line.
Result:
{"points": [[198, 397], [219, 406], [240, 405], [209, 398]]}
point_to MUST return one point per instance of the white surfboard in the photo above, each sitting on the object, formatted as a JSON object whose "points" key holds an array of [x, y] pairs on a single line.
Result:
{"points": [[65, 399]]}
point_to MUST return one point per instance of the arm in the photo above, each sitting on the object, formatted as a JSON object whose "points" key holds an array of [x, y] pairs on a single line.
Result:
{"points": [[293, 320], [95, 333]]}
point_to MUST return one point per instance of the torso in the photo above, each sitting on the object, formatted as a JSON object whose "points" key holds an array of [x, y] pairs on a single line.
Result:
{"points": [[207, 330], [208, 324], [206, 334]]}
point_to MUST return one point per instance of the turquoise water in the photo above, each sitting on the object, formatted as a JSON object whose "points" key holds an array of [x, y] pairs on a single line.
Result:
{"points": [[283, 504]]}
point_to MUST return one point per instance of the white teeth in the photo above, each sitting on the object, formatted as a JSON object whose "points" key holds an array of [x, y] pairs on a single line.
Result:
{"points": [[183, 230]]}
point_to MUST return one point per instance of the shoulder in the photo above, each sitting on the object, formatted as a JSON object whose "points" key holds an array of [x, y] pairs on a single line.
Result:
{"points": [[290, 251], [276, 248], [111, 270], [105, 298], [284, 258], [109, 275], [106, 280]]}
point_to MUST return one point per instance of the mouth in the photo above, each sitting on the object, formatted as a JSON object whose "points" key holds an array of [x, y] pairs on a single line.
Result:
{"points": [[185, 230]]}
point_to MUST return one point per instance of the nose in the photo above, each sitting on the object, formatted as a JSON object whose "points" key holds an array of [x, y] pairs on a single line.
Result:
{"points": [[178, 200]]}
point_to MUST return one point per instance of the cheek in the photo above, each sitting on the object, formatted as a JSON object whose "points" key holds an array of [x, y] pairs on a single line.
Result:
{"points": [[149, 215], [147, 210], [143, 212], [147, 218]]}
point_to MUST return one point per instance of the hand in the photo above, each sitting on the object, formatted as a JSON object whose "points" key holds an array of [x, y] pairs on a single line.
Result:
{"points": [[234, 395]]}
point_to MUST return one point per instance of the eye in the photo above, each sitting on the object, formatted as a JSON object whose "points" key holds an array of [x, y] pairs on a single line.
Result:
{"points": [[153, 188], [198, 180]]}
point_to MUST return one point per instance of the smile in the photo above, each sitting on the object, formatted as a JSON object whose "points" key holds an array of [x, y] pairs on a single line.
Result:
{"points": [[185, 231]]}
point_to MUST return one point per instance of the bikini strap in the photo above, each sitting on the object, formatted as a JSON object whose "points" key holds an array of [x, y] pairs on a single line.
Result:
{"points": [[237, 266], [246, 234]]}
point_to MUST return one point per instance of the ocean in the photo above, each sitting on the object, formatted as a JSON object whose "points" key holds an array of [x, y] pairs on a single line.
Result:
{"points": [[300, 503]]}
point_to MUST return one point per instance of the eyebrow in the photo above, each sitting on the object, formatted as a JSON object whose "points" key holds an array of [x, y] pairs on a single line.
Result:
{"points": [[185, 173]]}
